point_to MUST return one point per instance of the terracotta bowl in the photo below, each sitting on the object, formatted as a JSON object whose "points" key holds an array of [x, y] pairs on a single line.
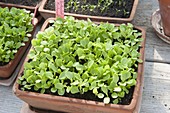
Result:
{"points": [[157, 25]]}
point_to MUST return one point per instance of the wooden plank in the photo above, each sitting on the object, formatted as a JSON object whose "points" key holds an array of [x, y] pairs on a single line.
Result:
{"points": [[156, 94], [9, 103], [157, 53]]}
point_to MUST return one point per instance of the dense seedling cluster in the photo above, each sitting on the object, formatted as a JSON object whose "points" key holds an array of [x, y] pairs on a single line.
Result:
{"points": [[15, 25], [102, 7], [77, 56]]}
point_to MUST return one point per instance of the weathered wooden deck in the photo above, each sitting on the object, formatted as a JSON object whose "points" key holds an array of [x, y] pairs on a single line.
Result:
{"points": [[156, 95]]}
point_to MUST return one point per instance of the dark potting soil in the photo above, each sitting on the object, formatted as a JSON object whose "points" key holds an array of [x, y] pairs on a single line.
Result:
{"points": [[22, 2], [3, 63], [50, 5], [90, 96], [114, 10]]}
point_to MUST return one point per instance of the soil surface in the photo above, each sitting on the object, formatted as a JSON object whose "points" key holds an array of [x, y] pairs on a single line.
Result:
{"points": [[90, 96], [50, 5], [113, 10], [3, 63], [22, 2]]}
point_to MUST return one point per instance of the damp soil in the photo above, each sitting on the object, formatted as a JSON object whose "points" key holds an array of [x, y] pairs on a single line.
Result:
{"points": [[3, 63], [22, 2], [90, 96], [126, 100], [114, 10]]}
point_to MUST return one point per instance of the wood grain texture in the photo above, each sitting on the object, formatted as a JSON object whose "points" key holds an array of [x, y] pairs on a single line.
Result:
{"points": [[156, 93]]}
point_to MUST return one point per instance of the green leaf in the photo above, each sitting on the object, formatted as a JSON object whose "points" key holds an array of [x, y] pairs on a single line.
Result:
{"points": [[43, 65], [74, 89], [46, 50], [121, 94], [105, 90], [140, 60], [117, 89], [93, 85], [38, 48], [68, 89], [112, 85], [59, 62], [95, 91], [52, 66], [80, 52], [44, 43], [114, 95], [62, 76], [84, 42], [49, 74], [100, 95], [69, 75], [124, 75], [116, 101], [106, 100], [38, 81], [42, 91], [109, 46], [78, 66], [90, 63], [61, 91], [131, 82], [59, 85], [63, 67], [75, 83], [27, 86], [53, 90]]}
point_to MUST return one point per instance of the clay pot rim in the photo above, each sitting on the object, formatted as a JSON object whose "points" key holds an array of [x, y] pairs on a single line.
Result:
{"points": [[11, 61], [7, 70], [111, 19], [159, 34], [34, 24], [138, 88], [19, 6]]}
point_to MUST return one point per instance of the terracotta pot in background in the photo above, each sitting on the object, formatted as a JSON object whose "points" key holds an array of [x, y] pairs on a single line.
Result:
{"points": [[7, 70], [49, 13], [31, 8], [165, 15]]}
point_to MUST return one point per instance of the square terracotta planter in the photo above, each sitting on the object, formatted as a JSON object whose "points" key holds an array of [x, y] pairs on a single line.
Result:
{"points": [[73, 105], [8, 69], [49, 13]]}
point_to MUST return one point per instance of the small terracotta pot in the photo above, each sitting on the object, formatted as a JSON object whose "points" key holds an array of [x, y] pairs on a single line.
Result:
{"points": [[73, 105], [7, 70], [165, 15], [49, 13]]}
